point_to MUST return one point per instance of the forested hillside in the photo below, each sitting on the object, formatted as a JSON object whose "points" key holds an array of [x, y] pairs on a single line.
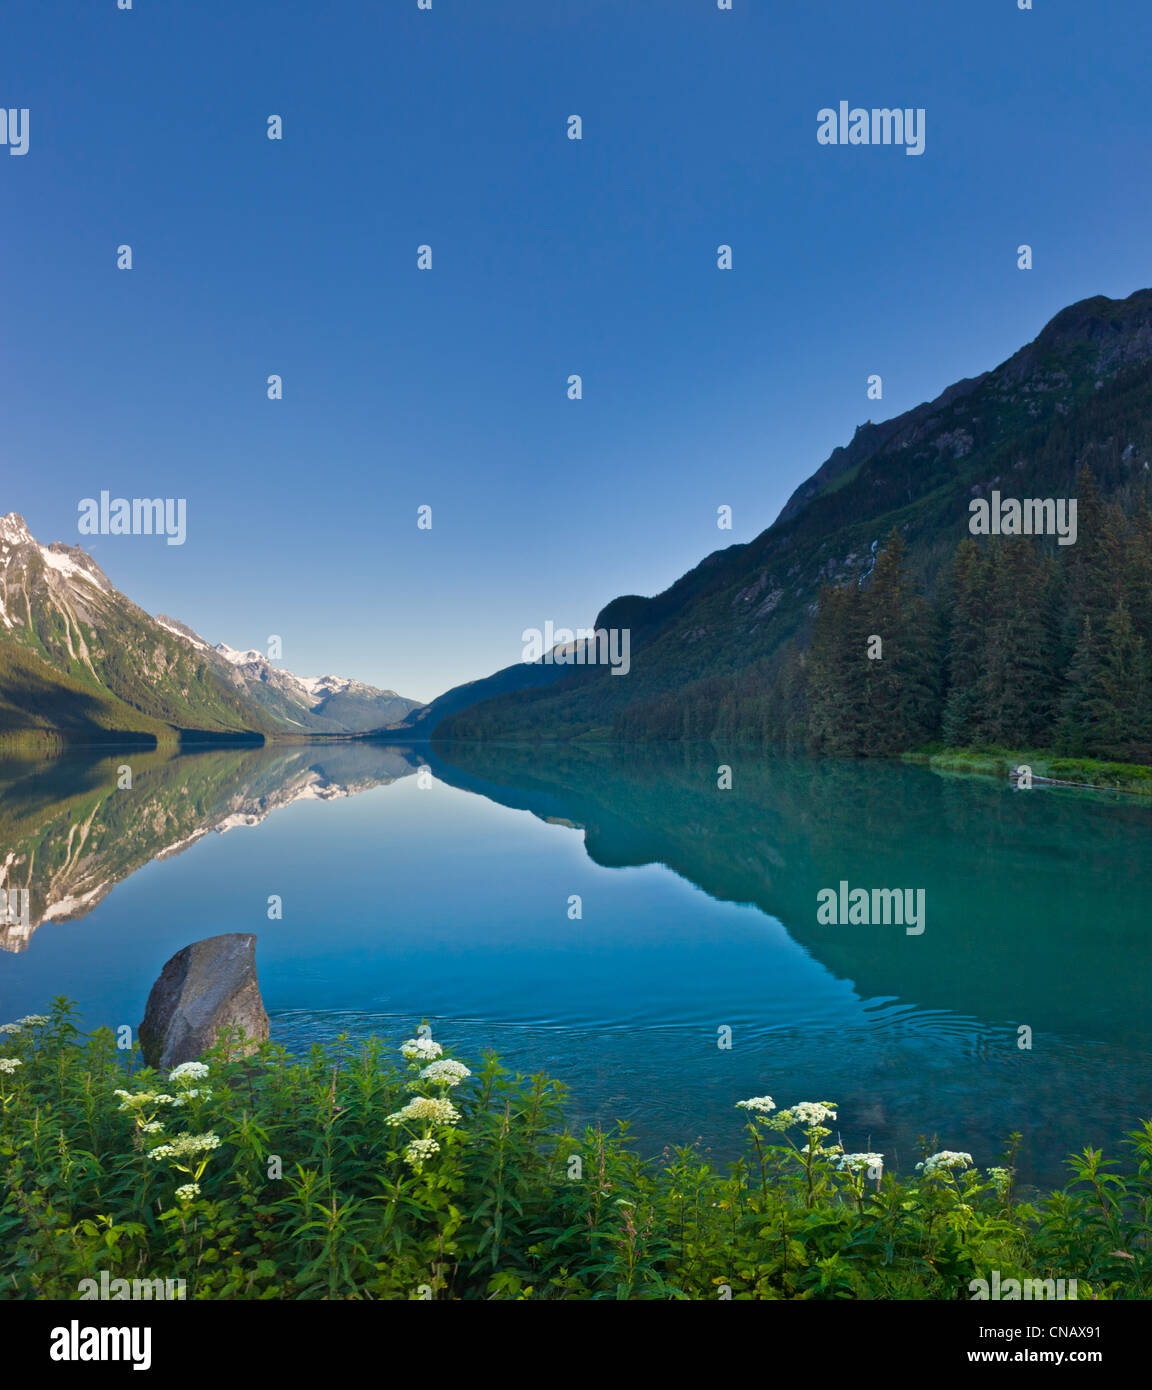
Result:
{"points": [[984, 639]]}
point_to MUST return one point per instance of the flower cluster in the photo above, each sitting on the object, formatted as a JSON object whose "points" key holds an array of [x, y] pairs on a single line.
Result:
{"points": [[141, 1100], [419, 1151], [813, 1112], [761, 1104], [193, 1093], [427, 1112], [813, 1147], [420, 1049], [945, 1161], [194, 1071], [190, 1153], [143, 1106], [445, 1073], [8, 1065], [186, 1146], [808, 1113], [28, 1021], [425, 1108], [861, 1163]]}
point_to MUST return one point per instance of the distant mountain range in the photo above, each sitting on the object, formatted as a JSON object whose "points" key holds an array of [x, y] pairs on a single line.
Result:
{"points": [[986, 639], [79, 661]]}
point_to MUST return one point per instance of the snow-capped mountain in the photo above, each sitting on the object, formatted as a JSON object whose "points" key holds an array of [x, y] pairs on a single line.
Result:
{"points": [[330, 704], [80, 660]]}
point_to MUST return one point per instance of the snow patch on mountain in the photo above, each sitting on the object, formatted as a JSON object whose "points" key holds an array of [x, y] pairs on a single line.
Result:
{"points": [[13, 530], [64, 564], [323, 686], [179, 629], [249, 658]]}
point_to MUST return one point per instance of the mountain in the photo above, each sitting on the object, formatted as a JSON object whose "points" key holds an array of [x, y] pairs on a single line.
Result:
{"points": [[79, 661], [984, 638], [320, 704], [422, 722]]}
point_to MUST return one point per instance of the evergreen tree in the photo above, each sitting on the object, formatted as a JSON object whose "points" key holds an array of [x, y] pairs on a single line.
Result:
{"points": [[967, 598], [1118, 703], [835, 672], [1018, 687]]}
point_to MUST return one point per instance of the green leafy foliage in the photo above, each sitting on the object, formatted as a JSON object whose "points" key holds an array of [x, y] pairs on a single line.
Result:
{"points": [[340, 1175]]}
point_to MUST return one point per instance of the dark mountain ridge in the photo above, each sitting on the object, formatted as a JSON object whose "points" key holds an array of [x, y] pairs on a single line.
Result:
{"points": [[713, 653]]}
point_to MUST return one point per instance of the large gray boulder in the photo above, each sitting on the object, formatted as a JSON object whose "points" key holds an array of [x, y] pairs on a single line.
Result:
{"points": [[203, 989]]}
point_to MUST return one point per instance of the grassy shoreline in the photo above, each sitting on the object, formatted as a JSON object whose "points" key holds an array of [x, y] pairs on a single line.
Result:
{"points": [[1047, 768]]}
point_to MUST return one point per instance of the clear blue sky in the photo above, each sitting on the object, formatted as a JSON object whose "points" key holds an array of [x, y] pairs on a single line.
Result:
{"points": [[550, 257]]}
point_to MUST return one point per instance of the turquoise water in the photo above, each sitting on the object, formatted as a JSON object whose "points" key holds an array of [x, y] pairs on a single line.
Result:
{"points": [[451, 902]]}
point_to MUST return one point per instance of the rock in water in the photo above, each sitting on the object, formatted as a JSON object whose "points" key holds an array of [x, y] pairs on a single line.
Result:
{"points": [[205, 988]]}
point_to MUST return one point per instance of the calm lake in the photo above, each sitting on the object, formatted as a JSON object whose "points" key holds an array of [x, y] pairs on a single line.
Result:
{"points": [[450, 902]]}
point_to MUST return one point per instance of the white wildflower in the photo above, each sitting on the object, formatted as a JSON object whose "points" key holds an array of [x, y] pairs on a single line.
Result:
{"points": [[154, 1127], [945, 1161], [814, 1112], [10, 1028], [195, 1071], [188, 1191], [193, 1093], [445, 1073], [419, 1151], [860, 1163], [421, 1049], [9, 1064], [185, 1145], [441, 1112], [762, 1104], [33, 1020], [141, 1100]]}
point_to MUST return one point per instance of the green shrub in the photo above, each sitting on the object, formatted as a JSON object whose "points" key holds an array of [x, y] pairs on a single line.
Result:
{"points": [[342, 1175]]}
